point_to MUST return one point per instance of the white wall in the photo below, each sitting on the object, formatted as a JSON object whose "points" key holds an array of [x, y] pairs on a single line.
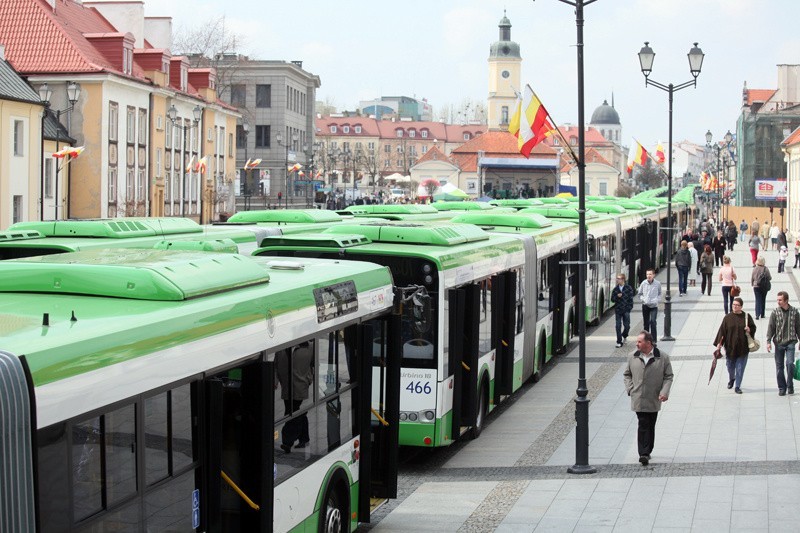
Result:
{"points": [[125, 16]]}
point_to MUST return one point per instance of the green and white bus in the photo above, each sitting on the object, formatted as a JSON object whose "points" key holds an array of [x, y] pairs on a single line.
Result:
{"points": [[148, 390]]}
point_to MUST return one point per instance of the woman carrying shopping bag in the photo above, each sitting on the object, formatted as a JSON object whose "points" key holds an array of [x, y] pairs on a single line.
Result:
{"points": [[733, 334]]}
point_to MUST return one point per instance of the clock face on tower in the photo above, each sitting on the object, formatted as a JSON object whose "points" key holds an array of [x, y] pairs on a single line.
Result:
{"points": [[505, 74], [505, 50]]}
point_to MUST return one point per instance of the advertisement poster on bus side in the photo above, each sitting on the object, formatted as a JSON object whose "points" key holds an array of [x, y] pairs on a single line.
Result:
{"points": [[771, 189]]}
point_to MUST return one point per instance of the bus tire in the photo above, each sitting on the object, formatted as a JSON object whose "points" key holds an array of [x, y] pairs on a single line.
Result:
{"points": [[482, 410], [540, 358], [334, 515]]}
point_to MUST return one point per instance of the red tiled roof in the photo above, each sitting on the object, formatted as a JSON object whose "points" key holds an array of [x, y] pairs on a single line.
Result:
{"points": [[387, 129], [593, 156], [591, 135], [369, 127], [793, 138], [493, 144], [759, 95], [39, 39], [433, 154]]}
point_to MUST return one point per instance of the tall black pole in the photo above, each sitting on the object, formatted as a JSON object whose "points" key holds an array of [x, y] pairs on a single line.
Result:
{"points": [[581, 465], [668, 237]]}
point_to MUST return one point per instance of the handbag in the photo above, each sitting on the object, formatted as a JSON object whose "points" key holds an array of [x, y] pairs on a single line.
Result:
{"points": [[735, 291], [752, 344]]}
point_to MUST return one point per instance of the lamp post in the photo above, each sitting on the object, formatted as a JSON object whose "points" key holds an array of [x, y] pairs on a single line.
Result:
{"points": [[646, 58], [172, 115], [728, 139], [311, 155], [45, 93], [246, 182], [581, 465], [715, 148], [286, 143]]}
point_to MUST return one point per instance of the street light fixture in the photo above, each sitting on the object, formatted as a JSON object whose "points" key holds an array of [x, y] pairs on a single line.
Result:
{"points": [[172, 115], [73, 94], [295, 137], [646, 59]]}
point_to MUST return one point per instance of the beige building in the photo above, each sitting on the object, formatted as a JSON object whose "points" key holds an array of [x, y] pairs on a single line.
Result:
{"points": [[791, 150]]}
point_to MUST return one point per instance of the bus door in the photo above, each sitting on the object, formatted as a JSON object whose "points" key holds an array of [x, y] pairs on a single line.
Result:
{"points": [[557, 273], [239, 412], [378, 469], [642, 247], [504, 288], [592, 283], [464, 341], [630, 251]]}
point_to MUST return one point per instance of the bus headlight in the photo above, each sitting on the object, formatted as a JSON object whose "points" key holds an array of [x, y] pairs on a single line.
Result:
{"points": [[412, 417], [428, 416], [403, 417]]}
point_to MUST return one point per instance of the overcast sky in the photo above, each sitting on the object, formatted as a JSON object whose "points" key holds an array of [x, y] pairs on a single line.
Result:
{"points": [[438, 49]]}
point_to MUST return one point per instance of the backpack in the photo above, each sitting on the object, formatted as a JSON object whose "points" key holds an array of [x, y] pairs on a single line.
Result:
{"points": [[763, 281]]}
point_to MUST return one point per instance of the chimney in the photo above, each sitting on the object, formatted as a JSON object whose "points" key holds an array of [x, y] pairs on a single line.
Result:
{"points": [[125, 16], [158, 32]]}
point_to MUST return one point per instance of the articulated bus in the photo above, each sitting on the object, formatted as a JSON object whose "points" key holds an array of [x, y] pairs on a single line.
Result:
{"points": [[149, 390]]}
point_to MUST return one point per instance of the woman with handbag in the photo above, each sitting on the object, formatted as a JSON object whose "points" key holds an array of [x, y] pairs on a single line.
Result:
{"points": [[706, 268], [761, 280], [718, 245], [727, 275], [736, 334]]}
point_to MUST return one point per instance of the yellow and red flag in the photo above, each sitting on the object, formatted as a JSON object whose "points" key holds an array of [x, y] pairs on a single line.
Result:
{"points": [[637, 156], [660, 158], [294, 168], [191, 166], [530, 123], [70, 151], [252, 163], [202, 164]]}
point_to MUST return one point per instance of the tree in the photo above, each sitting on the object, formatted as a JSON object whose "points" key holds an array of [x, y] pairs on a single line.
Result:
{"points": [[624, 190], [650, 177], [212, 45]]}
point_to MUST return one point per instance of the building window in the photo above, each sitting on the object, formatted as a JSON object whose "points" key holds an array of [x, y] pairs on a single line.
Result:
{"points": [[371, 146], [19, 138], [241, 138], [263, 95], [333, 129], [17, 216], [239, 95], [387, 148], [112, 185], [113, 121], [345, 129], [131, 125], [603, 188], [48, 177], [158, 162], [424, 134], [399, 133], [230, 145], [143, 126], [504, 115], [262, 136], [412, 133], [466, 136], [358, 129]]}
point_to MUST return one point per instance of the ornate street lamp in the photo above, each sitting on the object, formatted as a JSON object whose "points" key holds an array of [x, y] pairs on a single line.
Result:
{"points": [[45, 93], [172, 115], [286, 143], [646, 59]]}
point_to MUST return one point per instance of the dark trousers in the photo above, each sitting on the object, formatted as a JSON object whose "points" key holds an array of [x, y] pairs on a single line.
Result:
{"points": [[781, 266], [683, 276], [731, 242], [796, 260], [784, 358], [295, 429], [761, 301], [647, 432], [623, 325], [706, 282], [650, 319], [718, 258], [726, 296]]}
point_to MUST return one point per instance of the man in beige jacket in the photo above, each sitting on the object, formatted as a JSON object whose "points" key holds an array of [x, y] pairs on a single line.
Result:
{"points": [[648, 378]]}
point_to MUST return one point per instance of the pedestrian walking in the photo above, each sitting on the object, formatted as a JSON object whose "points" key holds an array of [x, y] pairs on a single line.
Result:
{"points": [[694, 269], [731, 234], [782, 239], [732, 335], [650, 296], [782, 255], [742, 230], [755, 226], [683, 261], [706, 269], [784, 331], [718, 244], [797, 253], [295, 370], [761, 279], [622, 296], [755, 246], [727, 275], [648, 379]]}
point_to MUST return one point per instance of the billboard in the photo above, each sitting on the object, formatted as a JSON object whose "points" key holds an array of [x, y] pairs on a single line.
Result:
{"points": [[771, 189]]}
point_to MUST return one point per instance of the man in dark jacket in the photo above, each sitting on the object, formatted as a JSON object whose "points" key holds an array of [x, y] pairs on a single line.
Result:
{"points": [[622, 296], [648, 379]]}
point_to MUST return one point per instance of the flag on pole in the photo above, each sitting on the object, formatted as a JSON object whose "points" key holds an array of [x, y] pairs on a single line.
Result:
{"points": [[202, 163], [294, 168], [71, 152], [637, 156], [660, 158], [530, 123], [252, 163], [190, 166]]}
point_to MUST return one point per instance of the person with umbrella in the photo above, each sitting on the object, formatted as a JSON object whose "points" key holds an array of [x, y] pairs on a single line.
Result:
{"points": [[732, 334], [648, 379]]}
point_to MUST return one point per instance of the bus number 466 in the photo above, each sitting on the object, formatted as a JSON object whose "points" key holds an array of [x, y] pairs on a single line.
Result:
{"points": [[416, 387]]}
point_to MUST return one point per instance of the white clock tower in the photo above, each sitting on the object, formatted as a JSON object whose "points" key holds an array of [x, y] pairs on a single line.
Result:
{"points": [[504, 77]]}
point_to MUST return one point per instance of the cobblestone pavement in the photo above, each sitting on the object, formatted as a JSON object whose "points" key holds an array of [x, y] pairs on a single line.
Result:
{"points": [[723, 462]]}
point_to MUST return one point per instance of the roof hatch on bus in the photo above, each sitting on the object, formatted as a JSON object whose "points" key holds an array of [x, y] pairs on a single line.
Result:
{"points": [[444, 205], [214, 245], [285, 216], [390, 209], [439, 235], [566, 212], [530, 220], [18, 235], [118, 228], [132, 274], [317, 240], [608, 208]]}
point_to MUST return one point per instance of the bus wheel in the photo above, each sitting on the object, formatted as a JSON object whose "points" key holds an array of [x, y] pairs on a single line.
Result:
{"points": [[334, 515], [537, 375], [483, 409]]}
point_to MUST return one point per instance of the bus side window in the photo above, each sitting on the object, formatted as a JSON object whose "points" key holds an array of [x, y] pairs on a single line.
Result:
{"points": [[544, 289], [520, 301], [485, 318]]}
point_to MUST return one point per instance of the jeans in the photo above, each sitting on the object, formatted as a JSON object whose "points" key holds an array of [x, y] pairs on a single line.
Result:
{"points": [[781, 265], [741, 235], [623, 325], [736, 370], [650, 319], [646, 436], [731, 242], [796, 260], [683, 275], [761, 301], [784, 358], [726, 295], [706, 279]]}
